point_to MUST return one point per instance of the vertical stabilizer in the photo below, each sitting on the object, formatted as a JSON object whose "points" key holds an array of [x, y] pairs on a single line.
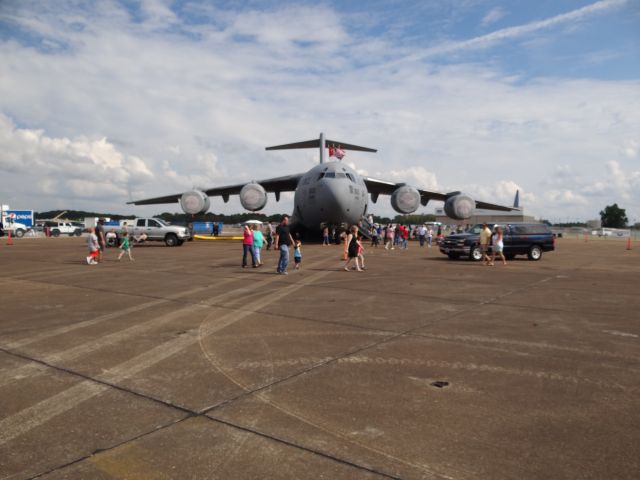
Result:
{"points": [[516, 200]]}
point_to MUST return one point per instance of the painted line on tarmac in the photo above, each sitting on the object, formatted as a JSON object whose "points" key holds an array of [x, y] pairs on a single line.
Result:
{"points": [[522, 343], [394, 361], [101, 318], [17, 424]]}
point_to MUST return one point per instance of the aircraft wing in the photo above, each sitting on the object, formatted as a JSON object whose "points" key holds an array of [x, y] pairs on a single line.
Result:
{"points": [[378, 187], [287, 183]]}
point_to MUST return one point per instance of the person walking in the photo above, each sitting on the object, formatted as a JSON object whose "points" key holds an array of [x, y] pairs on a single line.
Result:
{"points": [[297, 253], [269, 235], [430, 236], [485, 241], [375, 238], [422, 234], [247, 246], [102, 240], [389, 238], [282, 242], [498, 246], [93, 247], [352, 248], [361, 252], [404, 237], [325, 236], [125, 247], [258, 243]]}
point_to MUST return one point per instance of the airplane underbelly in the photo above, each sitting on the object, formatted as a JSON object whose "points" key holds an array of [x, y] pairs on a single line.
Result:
{"points": [[331, 211]]}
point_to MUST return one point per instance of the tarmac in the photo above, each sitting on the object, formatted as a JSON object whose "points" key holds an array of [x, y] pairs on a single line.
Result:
{"points": [[182, 365]]}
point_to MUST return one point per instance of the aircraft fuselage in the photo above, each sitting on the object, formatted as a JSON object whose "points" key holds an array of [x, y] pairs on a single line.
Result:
{"points": [[330, 193]]}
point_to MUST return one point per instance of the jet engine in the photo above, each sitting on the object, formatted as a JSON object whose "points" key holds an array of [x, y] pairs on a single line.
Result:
{"points": [[459, 206], [253, 197], [194, 201], [405, 199]]}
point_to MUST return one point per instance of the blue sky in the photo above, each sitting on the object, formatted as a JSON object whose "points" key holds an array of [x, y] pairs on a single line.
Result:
{"points": [[102, 102]]}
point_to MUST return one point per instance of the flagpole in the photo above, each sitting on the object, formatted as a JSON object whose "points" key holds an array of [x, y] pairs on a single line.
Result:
{"points": [[322, 147]]}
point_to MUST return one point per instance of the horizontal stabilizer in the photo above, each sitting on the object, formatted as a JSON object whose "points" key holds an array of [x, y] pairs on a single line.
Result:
{"points": [[316, 144]]}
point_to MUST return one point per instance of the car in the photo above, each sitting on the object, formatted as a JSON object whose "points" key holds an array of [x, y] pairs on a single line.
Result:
{"points": [[531, 239], [65, 228]]}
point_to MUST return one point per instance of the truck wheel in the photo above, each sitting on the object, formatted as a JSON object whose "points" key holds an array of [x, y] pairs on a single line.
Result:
{"points": [[535, 253], [180, 242], [19, 233], [78, 232], [476, 253], [55, 233], [171, 240], [453, 256]]}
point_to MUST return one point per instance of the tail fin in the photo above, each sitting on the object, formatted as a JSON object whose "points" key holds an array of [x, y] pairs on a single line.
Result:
{"points": [[321, 143], [516, 200]]}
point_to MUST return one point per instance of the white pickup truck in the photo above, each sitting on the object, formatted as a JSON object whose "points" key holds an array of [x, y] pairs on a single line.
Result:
{"points": [[154, 229]]}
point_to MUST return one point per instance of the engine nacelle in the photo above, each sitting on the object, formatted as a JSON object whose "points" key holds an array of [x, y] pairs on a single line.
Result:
{"points": [[253, 197], [194, 201], [459, 207], [405, 199]]}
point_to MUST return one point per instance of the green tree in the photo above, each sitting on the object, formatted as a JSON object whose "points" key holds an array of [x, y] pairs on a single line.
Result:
{"points": [[613, 216]]}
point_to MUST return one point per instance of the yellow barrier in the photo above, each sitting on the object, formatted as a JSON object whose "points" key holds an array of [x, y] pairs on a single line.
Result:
{"points": [[207, 237]]}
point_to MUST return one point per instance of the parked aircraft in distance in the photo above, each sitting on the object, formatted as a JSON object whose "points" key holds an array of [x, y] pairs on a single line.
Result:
{"points": [[331, 193]]}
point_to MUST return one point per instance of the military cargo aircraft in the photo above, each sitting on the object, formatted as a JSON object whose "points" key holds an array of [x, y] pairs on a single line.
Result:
{"points": [[331, 193]]}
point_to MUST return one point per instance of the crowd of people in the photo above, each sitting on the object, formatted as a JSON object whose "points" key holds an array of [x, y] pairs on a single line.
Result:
{"points": [[281, 239]]}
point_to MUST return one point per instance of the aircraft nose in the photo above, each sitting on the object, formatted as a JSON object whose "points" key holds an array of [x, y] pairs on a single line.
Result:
{"points": [[332, 201]]}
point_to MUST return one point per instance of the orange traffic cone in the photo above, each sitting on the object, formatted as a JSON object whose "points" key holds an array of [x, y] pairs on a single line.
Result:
{"points": [[10, 240], [629, 243]]}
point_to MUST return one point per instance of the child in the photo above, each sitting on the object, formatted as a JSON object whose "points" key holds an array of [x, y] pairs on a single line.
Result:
{"points": [[124, 246], [361, 252], [94, 247], [297, 254]]}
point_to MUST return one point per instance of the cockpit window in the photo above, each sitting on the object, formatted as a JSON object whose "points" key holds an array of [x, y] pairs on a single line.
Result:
{"points": [[350, 177], [330, 174]]}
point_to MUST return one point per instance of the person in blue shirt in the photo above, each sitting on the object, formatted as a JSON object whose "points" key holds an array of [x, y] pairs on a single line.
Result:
{"points": [[258, 243]]}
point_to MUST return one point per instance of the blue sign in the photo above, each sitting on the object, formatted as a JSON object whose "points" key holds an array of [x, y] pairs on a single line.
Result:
{"points": [[21, 216]]}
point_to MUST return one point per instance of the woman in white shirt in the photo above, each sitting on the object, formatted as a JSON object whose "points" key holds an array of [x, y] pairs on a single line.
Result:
{"points": [[498, 246]]}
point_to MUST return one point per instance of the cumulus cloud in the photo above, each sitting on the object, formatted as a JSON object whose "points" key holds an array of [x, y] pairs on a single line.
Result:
{"points": [[79, 167]]}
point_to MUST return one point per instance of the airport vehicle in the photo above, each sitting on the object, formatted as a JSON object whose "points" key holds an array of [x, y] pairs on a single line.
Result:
{"points": [[331, 193], [531, 239], [58, 228], [156, 229], [17, 229]]}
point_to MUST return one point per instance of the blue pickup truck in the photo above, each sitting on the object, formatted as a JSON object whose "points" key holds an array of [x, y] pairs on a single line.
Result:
{"points": [[529, 239]]}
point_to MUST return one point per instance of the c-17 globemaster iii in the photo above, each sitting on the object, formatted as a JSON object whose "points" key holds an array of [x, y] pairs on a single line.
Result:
{"points": [[329, 194]]}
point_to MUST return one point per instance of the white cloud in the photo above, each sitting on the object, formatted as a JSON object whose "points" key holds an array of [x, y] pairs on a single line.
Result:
{"points": [[492, 16], [566, 198], [71, 168], [489, 39]]}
